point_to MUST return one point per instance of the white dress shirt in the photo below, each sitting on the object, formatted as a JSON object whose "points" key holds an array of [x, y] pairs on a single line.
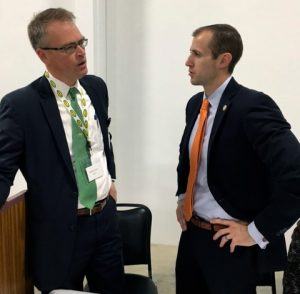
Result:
{"points": [[205, 205], [97, 153]]}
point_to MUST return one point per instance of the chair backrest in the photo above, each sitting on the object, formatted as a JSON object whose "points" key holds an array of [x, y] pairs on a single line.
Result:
{"points": [[14, 277], [135, 225]]}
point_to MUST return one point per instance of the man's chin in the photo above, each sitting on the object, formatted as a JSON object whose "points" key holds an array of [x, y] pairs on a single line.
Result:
{"points": [[195, 83], [83, 73]]}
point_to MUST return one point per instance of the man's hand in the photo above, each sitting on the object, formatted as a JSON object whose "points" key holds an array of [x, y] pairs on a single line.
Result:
{"points": [[180, 216], [113, 191], [236, 232]]}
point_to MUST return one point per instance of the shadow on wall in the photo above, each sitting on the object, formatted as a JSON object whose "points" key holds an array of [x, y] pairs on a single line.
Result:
{"points": [[127, 103]]}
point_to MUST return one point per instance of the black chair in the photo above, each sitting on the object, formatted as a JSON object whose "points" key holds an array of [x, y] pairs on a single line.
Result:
{"points": [[135, 226], [267, 279]]}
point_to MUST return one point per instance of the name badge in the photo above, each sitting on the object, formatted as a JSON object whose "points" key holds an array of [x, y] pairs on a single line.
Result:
{"points": [[94, 172]]}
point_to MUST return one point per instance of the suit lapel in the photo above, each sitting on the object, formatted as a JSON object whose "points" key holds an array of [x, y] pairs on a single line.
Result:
{"points": [[100, 112], [223, 108], [195, 113], [192, 117], [51, 111]]}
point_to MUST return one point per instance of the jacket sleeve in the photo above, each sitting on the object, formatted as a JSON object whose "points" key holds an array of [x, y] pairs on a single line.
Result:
{"points": [[111, 159], [11, 147], [279, 150]]}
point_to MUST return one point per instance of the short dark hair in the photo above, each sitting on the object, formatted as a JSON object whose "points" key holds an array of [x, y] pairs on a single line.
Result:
{"points": [[225, 39], [38, 25]]}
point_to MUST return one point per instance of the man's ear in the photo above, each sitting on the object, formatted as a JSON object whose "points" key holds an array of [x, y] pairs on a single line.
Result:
{"points": [[225, 59], [42, 55]]}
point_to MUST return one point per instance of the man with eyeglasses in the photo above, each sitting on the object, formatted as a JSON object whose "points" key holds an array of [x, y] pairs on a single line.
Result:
{"points": [[55, 131]]}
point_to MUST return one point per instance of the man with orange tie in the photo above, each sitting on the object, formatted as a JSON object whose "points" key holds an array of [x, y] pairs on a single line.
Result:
{"points": [[238, 175]]}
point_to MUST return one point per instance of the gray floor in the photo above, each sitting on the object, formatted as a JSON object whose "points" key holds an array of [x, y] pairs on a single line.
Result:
{"points": [[163, 261]]}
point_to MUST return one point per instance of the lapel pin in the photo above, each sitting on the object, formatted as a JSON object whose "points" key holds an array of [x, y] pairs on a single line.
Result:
{"points": [[224, 107]]}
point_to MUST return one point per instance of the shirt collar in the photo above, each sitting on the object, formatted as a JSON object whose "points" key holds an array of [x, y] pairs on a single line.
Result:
{"points": [[64, 88], [215, 97]]}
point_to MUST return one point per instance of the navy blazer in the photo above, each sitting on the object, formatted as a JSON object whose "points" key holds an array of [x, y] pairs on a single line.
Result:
{"points": [[32, 138], [253, 167]]}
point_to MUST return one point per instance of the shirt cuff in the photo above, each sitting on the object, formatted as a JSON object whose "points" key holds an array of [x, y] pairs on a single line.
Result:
{"points": [[180, 197], [260, 240]]}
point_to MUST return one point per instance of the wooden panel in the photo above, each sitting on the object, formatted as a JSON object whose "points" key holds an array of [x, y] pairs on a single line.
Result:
{"points": [[13, 275]]}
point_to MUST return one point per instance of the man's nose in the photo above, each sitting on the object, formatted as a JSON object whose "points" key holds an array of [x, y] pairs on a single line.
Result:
{"points": [[80, 50], [188, 62]]}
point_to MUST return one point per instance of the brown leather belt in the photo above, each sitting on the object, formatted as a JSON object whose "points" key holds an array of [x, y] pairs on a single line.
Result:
{"points": [[99, 205], [203, 224]]}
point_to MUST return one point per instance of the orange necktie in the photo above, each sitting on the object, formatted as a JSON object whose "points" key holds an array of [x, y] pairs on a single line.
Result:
{"points": [[195, 161]]}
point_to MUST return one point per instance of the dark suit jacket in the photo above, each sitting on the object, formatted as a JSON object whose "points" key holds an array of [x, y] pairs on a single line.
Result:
{"points": [[253, 164], [32, 138]]}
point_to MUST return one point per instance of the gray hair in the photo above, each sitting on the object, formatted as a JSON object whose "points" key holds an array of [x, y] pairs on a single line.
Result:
{"points": [[38, 25]]}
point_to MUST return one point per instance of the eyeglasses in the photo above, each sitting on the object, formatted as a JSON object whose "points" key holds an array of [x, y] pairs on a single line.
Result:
{"points": [[70, 48]]}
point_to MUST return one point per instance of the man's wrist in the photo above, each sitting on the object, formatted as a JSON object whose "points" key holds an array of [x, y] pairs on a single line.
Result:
{"points": [[259, 239], [180, 198]]}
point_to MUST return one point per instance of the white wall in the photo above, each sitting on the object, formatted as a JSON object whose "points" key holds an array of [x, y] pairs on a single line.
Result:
{"points": [[148, 42], [19, 63], [140, 47]]}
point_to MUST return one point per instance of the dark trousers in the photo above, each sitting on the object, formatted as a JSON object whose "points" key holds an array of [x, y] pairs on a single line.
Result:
{"points": [[97, 254], [205, 268]]}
